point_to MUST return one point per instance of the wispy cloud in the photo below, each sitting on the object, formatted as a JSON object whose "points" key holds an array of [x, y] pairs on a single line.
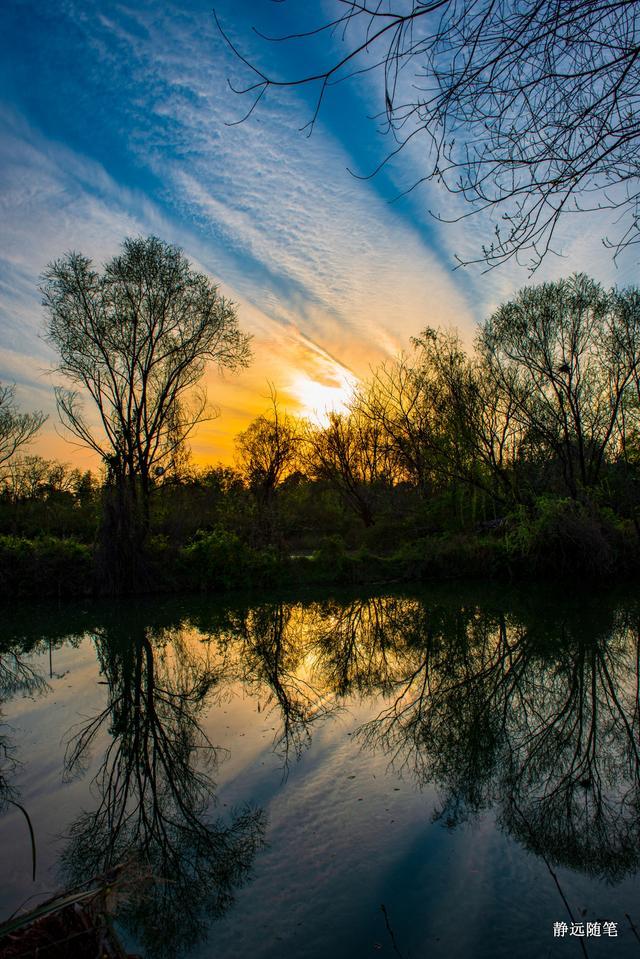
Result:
{"points": [[328, 276], [281, 212], [54, 200]]}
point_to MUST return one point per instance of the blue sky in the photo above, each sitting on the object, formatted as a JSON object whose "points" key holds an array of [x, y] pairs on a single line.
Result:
{"points": [[113, 122]]}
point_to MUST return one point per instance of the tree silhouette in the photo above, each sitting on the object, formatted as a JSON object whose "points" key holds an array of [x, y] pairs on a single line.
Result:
{"points": [[136, 338], [155, 792], [16, 428]]}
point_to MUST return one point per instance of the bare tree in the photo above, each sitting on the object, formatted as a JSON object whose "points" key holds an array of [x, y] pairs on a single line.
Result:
{"points": [[33, 477], [154, 790], [558, 350], [16, 429], [475, 437], [528, 109], [267, 450], [136, 338], [352, 453]]}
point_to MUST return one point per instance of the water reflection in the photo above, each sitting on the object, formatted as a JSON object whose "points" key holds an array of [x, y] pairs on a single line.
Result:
{"points": [[526, 707], [497, 715], [155, 789], [18, 677], [270, 648], [534, 711]]}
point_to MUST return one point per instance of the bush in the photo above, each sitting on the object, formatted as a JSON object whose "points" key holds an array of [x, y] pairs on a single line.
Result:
{"points": [[218, 560], [44, 567], [565, 537], [452, 557]]}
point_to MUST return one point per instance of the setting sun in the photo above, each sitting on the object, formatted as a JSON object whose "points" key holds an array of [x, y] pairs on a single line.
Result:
{"points": [[318, 400]]}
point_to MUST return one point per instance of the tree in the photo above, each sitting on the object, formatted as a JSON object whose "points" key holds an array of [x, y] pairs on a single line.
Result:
{"points": [[476, 438], [399, 399], [16, 429], [267, 450], [528, 109], [563, 353], [33, 478], [136, 338], [352, 454], [266, 454]]}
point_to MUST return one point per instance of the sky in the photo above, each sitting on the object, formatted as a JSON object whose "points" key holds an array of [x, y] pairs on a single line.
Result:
{"points": [[118, 120]]}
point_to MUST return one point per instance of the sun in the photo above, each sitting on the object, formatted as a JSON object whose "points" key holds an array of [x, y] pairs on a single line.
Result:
{"points": [[317, 400]]}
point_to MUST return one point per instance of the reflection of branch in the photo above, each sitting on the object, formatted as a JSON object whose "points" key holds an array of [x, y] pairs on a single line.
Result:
{"points": [[551, 872], [274, 656], [19, 677], [31, 835], [482, 713], [16, 677], [390, 931]]}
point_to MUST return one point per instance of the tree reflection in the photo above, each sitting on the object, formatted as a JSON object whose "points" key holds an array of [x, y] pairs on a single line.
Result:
{"points": [[491, 714], [18, 677], [155, 789], [534, 713], [274, 642], [528, 709]]}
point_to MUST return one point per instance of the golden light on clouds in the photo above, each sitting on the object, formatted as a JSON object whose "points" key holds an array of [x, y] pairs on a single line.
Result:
{"points": [[307, 381]]}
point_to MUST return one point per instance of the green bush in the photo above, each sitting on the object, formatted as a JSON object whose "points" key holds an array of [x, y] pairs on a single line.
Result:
{"points": [[565, 537], [452, 557], [44, 567], [218, 560]]}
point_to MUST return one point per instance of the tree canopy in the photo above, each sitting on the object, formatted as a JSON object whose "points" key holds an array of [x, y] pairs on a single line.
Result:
{"points": [[16, 428], [136, 338]]}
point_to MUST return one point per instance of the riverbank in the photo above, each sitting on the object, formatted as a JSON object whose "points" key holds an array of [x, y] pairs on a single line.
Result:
{"points": [[563, 541]]}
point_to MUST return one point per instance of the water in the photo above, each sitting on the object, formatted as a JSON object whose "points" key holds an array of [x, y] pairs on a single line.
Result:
{"points": [[443, 774]]}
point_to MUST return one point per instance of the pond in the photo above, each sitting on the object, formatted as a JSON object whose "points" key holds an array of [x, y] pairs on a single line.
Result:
{"points": [[450, 773]]}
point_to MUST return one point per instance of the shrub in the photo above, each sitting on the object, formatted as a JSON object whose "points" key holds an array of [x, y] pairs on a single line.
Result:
{"points": [[44, 567], [218, 560], [564, 537]]}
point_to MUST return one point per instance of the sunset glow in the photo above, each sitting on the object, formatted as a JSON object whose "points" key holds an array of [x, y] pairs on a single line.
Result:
{"points": [[328, 275], [317, 399]]}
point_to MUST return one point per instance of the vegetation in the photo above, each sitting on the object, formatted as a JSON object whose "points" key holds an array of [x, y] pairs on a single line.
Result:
{"points": [[518, 458], [525, 110], [136, 339], [16, 428]]}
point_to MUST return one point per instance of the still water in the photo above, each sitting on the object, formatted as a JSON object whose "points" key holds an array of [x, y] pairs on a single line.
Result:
{"points": [[443, 774]]}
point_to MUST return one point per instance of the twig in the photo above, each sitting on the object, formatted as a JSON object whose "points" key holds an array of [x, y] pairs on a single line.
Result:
{"points": [[390, 931], [31, 833], [633, 927]]}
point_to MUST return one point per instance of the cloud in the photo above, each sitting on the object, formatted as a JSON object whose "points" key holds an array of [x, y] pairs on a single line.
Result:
{"points": [[279, 212], [328, 276], [49, 207], [577, 239]]}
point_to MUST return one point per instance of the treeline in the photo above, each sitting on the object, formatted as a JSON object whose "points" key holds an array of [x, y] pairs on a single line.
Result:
{"points": [[519, 456]]}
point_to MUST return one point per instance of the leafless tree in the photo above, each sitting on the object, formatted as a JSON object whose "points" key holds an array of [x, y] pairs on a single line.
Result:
{"points": [[352, 453], [136, 338], [400, 400], [558, 350], [267, 451], [474, 438], [525, 109], [34, 477], [16, 429], [155, 792]]}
